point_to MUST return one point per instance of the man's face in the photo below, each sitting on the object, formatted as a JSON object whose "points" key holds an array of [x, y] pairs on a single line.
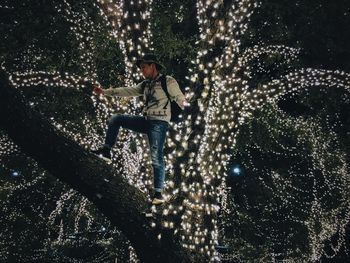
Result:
{"points": [[147, 70]]}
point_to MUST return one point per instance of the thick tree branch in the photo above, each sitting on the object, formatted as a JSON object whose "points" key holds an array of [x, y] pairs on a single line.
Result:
{"points": [[122, 203]]}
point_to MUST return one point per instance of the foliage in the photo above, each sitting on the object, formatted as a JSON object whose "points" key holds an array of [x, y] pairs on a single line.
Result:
{"points": [[271, 207], [290, 163]]}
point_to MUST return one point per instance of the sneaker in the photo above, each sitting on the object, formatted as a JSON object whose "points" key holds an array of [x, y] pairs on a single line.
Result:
{"points": [[157, 199], [104, 153]]}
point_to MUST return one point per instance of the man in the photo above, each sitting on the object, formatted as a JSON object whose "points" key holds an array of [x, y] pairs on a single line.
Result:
{"points": [[154, 123]]}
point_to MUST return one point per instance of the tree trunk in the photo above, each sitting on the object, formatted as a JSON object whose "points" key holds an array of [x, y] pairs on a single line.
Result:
{"points": [[123, 204]]}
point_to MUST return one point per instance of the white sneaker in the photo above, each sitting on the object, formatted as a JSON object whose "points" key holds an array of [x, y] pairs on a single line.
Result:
{"points": [[157, 199]]}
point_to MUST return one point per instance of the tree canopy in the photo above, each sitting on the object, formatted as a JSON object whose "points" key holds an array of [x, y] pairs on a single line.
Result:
{"points": [[257, 171]]}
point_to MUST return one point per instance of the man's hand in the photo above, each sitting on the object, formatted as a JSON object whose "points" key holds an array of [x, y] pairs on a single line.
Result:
{"points": [[183, 104], [97, 89]]}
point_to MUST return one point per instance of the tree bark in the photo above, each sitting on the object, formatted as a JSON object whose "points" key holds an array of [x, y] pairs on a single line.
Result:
{"points": [[123, 204]]}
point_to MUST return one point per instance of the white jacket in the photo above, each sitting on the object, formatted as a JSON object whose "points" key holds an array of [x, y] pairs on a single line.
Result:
{"points": [[158, 105]]}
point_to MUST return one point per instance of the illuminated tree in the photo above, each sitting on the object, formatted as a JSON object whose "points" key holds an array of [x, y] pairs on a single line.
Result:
{"points": [[224, 95]]}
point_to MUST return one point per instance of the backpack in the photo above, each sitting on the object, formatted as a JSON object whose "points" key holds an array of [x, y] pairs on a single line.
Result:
{"points": [[176, 111]]}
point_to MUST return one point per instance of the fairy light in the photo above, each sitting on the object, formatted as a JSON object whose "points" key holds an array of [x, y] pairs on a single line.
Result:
{"points": [[221, 123], [304, 194], [209, 110], [82, 27], [221, 100], [131, 29]]}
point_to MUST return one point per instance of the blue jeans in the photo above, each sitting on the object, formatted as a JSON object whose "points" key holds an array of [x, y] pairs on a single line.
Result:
{"points": [[156, 133]]}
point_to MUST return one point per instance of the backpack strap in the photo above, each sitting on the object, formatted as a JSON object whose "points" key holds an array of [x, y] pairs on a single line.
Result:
{"points": [[165, 88], [143, 85]]}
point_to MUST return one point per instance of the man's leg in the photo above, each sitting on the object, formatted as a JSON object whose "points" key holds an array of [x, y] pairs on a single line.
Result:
{"points": [[156, 136], [134, 123], [130, 122]]}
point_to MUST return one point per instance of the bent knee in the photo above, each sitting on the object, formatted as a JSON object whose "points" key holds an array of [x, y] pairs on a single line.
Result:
{"points": [[116, 118]]}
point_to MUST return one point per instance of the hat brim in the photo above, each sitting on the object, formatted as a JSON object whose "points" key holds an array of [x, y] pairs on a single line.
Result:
{"points": [[139, 61]]}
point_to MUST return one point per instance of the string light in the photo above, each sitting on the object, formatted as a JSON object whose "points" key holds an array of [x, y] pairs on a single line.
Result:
{"points": [[222, 100]]}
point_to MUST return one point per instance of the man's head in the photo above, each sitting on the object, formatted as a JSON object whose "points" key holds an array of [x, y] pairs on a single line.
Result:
{"points": [[149, 66], [149, 70]]}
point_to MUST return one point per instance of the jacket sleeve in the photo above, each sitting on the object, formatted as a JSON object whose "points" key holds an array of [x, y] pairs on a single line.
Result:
{"points": [[175, 92], [125, 91]]}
